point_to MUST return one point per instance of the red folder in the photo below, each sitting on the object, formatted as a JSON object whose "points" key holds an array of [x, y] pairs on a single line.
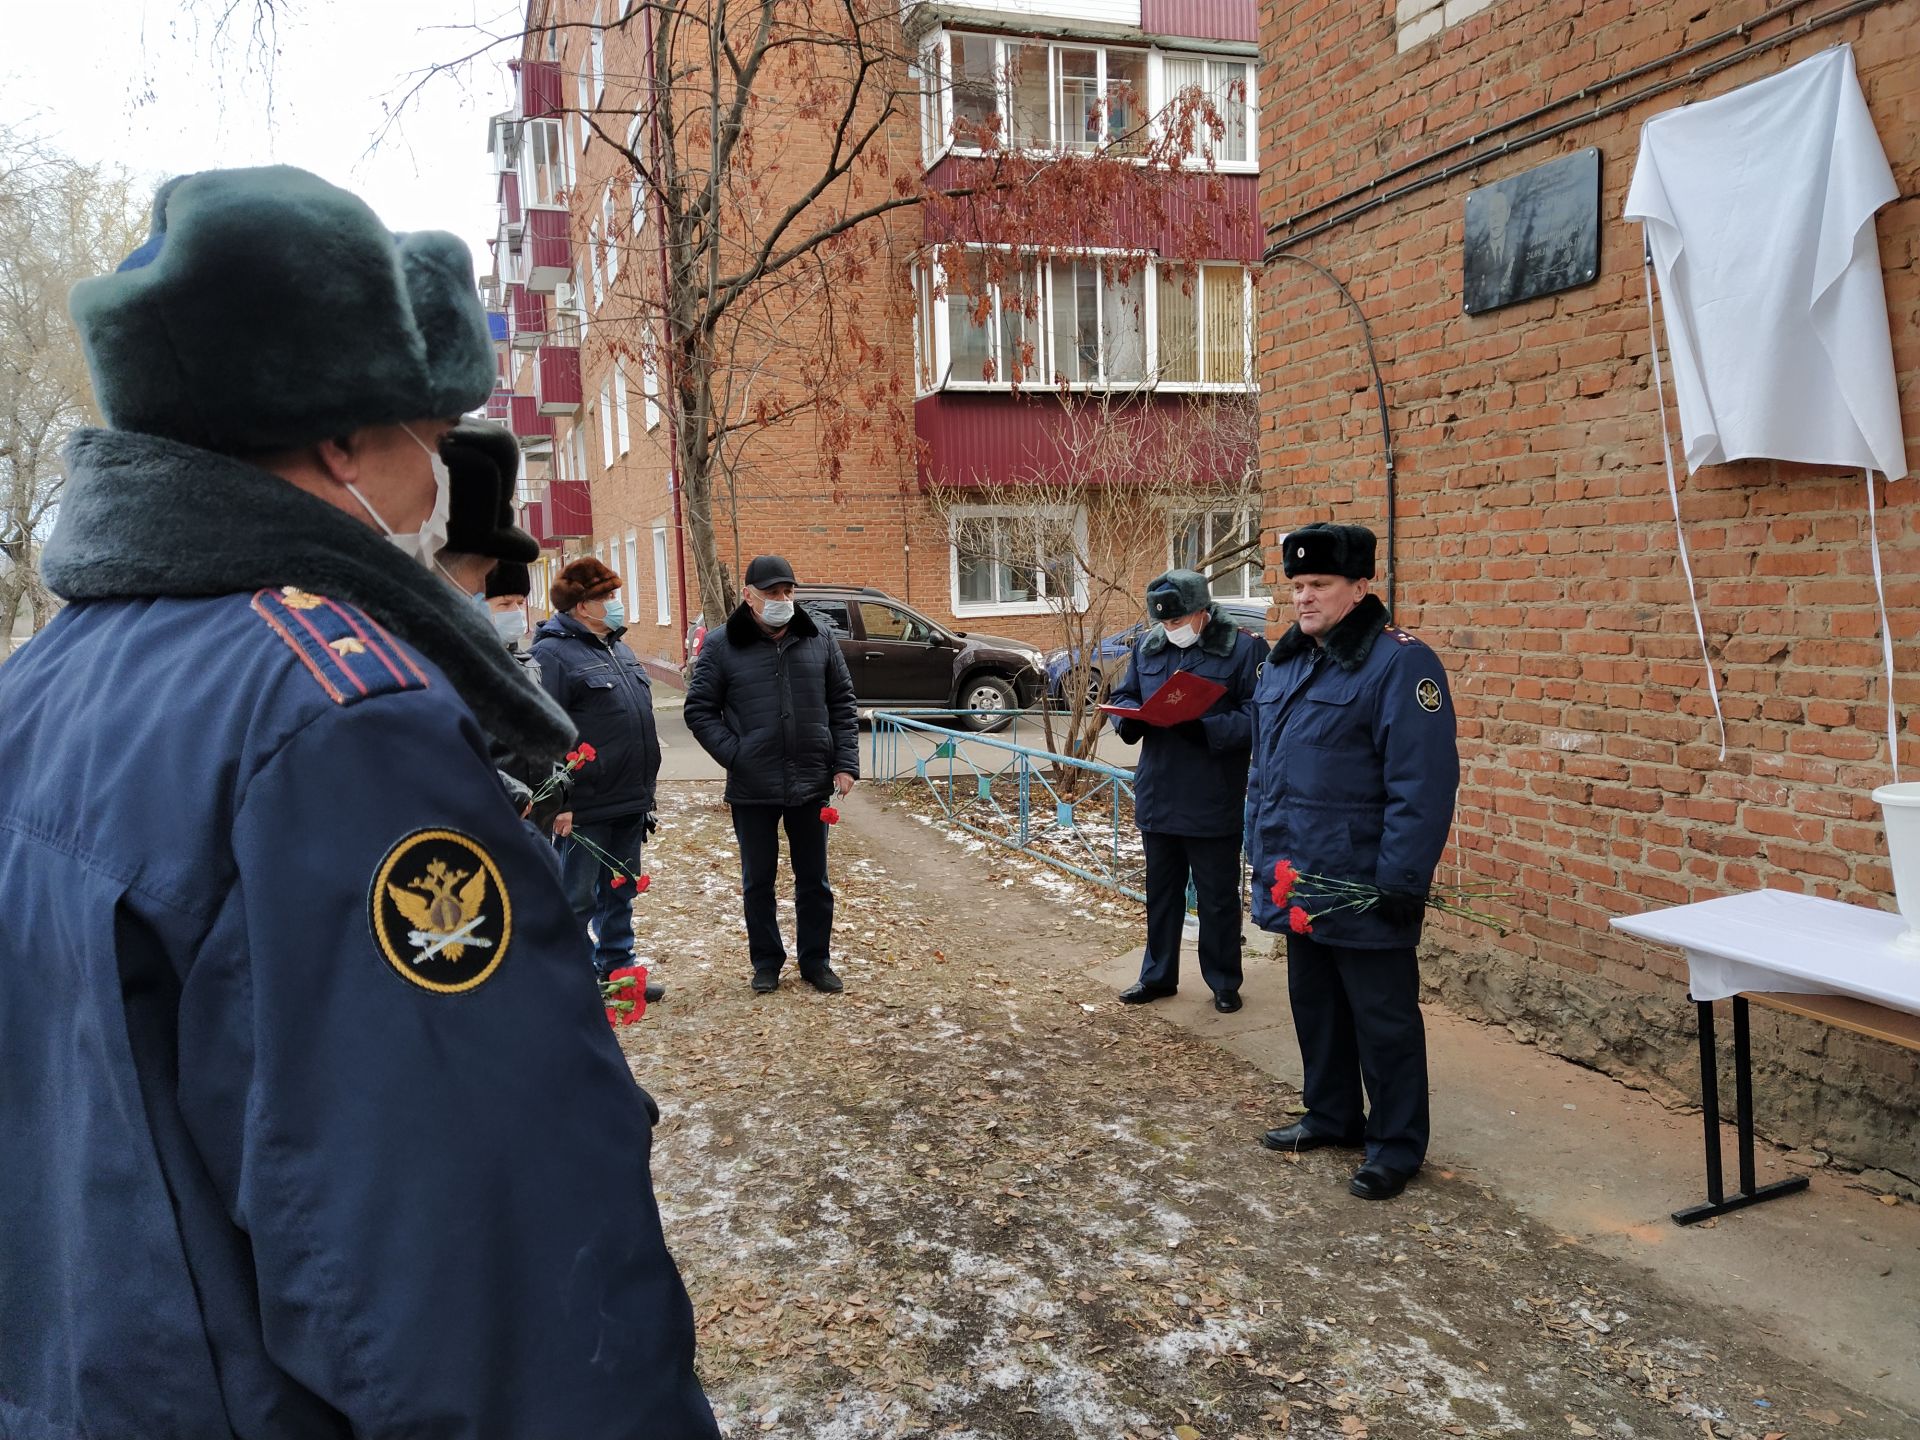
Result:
{"points": [[1183, 697]]}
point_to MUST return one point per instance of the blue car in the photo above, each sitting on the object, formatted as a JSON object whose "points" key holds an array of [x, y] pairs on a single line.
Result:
{"points": [[1109, 660]]}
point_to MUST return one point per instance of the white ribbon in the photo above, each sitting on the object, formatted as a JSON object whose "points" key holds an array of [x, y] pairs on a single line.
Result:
{"points": [[1886, 632], [1673, 492]]}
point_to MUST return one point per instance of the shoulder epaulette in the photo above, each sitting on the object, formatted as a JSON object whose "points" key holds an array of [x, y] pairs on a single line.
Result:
{"points": [[343, 648]]}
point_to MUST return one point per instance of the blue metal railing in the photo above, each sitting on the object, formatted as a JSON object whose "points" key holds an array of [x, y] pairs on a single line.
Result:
{"points": [[1021, 802]]}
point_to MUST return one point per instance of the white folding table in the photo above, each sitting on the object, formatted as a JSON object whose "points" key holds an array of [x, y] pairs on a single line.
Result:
{"points": [[1781, 950]]}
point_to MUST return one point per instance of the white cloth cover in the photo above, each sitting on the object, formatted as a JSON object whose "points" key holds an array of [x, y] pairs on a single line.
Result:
{"points": [[1759, 209]]}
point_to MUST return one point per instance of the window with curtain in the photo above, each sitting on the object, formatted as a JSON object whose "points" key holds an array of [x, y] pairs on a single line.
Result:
{"points": [[975, 89], [1197, 537], [1019, 559]]}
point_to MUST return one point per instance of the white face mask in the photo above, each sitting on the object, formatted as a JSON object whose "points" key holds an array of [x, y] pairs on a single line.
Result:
{"points": [[426, 543], [509, 625], [777, 612], [1182, 635]]}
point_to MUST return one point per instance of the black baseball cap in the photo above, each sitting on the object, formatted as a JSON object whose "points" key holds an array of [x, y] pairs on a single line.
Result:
{"points": [[765, 570]]}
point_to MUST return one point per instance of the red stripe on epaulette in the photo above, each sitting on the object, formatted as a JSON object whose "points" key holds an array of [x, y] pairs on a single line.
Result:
{"points": [[384, 649], [326, 647], [394, 647], [293, 643]]}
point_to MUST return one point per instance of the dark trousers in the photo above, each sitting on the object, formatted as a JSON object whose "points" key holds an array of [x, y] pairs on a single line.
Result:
{"points": [[757, 827], [604, 912], [1357, 1013], [1213, 862]]}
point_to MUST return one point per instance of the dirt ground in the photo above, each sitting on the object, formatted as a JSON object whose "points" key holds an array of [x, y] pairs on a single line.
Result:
{"points": [[972, 1197]]}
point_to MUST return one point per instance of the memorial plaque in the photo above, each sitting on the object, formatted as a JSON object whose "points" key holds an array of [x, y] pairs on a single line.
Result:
{"points": [[1533, 234]]}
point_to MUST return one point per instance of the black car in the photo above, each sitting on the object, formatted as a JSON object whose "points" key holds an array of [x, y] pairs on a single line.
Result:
{"points": [[901, 658]]}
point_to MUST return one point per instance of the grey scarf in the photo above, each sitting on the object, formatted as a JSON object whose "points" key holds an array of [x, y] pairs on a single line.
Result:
{"points": [[143, 516]]}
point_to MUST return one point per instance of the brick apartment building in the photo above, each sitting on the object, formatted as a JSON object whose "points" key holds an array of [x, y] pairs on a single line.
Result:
{"points": [[1535, 542], [578, 270]]}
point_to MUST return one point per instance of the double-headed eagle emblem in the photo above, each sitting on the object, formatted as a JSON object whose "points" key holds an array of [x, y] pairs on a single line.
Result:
{"points": [[443, 917]]}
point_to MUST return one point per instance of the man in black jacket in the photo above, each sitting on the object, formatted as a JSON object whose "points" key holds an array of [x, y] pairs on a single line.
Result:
{"points": [[602, 685], [771, 699]]}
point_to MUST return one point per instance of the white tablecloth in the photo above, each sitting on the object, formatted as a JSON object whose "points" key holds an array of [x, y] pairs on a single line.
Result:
{"points": [[1777, 940]]}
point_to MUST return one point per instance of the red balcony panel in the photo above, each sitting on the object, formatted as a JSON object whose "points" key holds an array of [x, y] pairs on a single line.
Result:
{"points": [[500, 407], [1002, 439], [556, 379], [528, 310], [527, 422], [1219, 212], [1202, 19], [570, 509], [541, 90], [549, 247], [510, 196]]}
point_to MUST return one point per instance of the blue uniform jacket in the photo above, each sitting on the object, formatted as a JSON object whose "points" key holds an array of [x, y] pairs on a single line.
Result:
{"points": [[602, 685], [311, 1123], [1355, 764], [1184, 786]]}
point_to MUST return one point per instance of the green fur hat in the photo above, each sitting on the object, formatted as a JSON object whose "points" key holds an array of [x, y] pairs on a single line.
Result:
{"points": [[268, 310], [1177, 593]]}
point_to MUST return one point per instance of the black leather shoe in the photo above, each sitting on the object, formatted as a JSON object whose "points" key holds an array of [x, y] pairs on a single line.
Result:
{"points": [[1378, 1182], [656, 992], [824, 980], [1297, 1137], [1226, 1001], [1145, 994], [765, 982]]}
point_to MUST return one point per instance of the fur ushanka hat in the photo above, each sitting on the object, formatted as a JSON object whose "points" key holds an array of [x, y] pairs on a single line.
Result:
{"points": [[583, 579], [1177, 593], [1324, 548], [268, 310], [483, 462]]}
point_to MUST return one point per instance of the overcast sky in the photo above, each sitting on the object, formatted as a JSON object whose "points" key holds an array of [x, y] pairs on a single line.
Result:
{"points": [[146, 84]]}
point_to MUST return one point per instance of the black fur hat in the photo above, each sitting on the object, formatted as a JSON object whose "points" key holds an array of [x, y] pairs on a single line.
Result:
{"points": [[268, 310], [483, 462], [1324, 548], [1177, 593]]}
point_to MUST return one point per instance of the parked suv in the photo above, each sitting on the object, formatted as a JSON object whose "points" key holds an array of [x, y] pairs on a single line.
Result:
{"points": [[900, 657]]}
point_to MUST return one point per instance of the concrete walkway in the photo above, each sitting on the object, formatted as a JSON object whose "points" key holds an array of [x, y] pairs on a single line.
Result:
{"points": [[1831, 1276]]}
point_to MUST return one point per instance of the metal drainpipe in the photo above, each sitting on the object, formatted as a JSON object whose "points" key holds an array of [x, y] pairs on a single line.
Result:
{"points": [[668, 387]]}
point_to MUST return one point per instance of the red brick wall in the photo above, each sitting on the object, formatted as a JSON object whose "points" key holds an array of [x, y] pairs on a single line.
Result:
{"points": [[1537, 550]]}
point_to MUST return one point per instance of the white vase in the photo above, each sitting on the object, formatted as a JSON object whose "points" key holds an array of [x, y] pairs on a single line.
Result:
{"points": [[1900, 805]]}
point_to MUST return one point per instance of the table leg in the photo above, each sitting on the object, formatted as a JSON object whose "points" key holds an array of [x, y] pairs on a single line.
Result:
{"points": [[1718, 1202]]}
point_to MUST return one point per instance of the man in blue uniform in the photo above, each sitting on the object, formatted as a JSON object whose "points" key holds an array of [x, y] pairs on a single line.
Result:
{"points": [[313, 1124], [1355, 764], [1190, 787]]}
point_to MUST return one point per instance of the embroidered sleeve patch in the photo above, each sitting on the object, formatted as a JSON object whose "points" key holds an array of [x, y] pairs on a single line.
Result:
{"points": [[348, 654], [439, 911], [1427, 693]]}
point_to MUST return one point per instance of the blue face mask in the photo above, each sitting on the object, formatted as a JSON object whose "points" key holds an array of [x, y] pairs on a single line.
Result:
{"points": [[616, 615]]}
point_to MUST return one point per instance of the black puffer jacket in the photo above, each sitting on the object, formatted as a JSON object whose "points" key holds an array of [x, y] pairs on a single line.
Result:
{"points": [[778, 714], [602, 686]]}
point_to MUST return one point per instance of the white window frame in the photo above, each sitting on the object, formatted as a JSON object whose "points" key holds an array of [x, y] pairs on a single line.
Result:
{"points": [[559, 170], [638, 220], [1041, 605], [936, 373], [597, 49], [662, 587], [593, 260], [632, 576], [607, 227], [1178, 512], [620, 406], [606, 428], [1160, 98], [649, 377], [1205, 382], [586, 104], [932, 74]]}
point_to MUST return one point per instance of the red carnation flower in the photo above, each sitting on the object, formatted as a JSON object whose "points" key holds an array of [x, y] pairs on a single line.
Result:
{"points": [[586, 752], [1299, 921], [829, 814], [1284, 876], [618, 881], [640, 884], [573, 757]]}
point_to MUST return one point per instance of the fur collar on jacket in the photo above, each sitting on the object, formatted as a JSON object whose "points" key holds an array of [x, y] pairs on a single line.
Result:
{"points": [[744, 630], [1217, 639], [145, 516], [1349, 643]]}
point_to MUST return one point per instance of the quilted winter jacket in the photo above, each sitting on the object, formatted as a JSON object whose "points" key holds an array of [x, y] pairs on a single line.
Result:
{"points": [[777, 714], [603, 687]]}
